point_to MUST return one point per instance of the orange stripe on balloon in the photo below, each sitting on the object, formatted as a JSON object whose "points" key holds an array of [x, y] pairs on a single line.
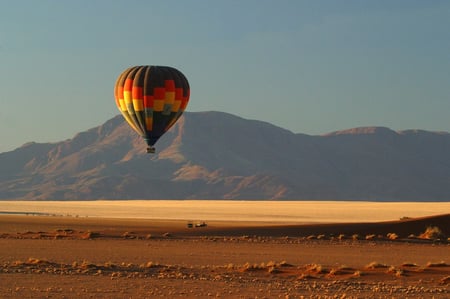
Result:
{"points": [[136, 92], [149, 123], [128, 84], [119, 92]]}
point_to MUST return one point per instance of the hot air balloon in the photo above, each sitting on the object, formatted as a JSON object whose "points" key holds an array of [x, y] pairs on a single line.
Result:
{"points": [[151, 99]]}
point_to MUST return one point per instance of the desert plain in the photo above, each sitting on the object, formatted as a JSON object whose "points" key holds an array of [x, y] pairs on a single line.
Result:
{"points": [[71, 253]]}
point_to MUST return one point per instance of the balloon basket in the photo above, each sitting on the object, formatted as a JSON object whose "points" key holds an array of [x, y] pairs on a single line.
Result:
{"points": [[150, 150]]}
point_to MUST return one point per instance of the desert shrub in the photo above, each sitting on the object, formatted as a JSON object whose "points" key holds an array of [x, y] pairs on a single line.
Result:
{"points": [[253, 267], [395, 271], [87, 265], [35, 261], [445, 280], [340, 271], [392, 236], [316, 268], [432, 232], [357, 273], [110, 265], [17, 263], [370, 237], [409, 265], [150, 265], [284, 264]]}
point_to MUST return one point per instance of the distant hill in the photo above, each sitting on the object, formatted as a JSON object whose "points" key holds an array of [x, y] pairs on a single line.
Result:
{"points": [[214, 155]]}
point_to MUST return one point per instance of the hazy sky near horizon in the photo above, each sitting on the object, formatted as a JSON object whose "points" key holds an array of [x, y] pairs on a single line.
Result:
{"points": [[308, 66]]}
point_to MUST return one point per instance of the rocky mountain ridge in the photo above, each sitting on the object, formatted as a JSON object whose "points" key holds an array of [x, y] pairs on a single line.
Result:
{"points": [[215, 155]]}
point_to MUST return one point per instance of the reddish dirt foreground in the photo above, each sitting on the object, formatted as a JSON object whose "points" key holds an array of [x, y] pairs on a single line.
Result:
{"points": [[65, 257]]}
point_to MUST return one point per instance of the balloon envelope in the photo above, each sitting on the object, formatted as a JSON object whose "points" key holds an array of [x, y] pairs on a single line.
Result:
{"points": [[151, 99]]}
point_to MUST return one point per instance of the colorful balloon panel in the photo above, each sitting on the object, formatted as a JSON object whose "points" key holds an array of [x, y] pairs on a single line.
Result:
{"points": [[151, 99]]}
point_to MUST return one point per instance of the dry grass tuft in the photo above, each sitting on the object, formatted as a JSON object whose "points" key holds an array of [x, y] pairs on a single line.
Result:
{"points": [[341, 270], [271, 267], [305, 276], [375, 265], [89, 235], [438, 264], [273, 270], [35, 261], [284, 264], [110, 265], [355, 237], [149, 265], [337, 272], [397, 272], [342, 237], [316, 268], [128, 235], [252, 267], [17, 263]]}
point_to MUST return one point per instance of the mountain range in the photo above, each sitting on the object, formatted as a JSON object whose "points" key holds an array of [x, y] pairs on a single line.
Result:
{"points": [[215, 155]]}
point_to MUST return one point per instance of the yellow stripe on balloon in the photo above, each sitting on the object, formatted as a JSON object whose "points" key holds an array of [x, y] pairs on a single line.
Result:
{"points": [[176, 106], [127, 97], [138, 104], [169, 97], [158, 105], [123, 106]]}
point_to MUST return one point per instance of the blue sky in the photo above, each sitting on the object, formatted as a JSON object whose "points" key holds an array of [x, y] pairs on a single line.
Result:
{"points": [[308, 66]]}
